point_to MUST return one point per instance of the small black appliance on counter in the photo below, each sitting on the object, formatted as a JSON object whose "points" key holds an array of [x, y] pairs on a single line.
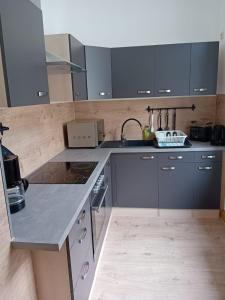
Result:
{"points": [[16, 186], [218, 135], [200, 132]]}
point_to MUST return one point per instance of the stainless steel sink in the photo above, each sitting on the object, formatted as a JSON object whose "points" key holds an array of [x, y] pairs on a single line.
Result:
{"points": [[126, 143]]}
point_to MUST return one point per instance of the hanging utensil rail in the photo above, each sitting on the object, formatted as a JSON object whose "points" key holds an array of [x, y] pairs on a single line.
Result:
{"points": [[149, 109]]}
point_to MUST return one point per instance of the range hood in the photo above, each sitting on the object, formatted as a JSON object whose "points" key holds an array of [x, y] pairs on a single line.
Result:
{"points": [[54, 60]]}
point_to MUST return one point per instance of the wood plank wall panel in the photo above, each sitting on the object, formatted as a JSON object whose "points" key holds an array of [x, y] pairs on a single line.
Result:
{"points": [[220, 119], [116, 111], [36, 132], [16, 272], [36, 135]]}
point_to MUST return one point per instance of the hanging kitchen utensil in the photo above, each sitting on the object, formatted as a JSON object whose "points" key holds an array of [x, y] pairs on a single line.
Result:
{"points": [[167, 120], [152, 121], [174, 119], [160, 121]]}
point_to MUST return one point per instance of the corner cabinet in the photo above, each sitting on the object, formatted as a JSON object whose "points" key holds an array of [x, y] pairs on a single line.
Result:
{"points": [[98, 65], [23, 53], [134, 180], [133, 72], [204, 68]]}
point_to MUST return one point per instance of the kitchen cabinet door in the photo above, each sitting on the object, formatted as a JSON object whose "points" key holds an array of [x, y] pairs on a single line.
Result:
{"points": [[77, 53], [135, 180], [172, 73], [204, 68], [23, 50], [107, 173], [133, 72], [207, 186], [176, 181], [98, 65]]}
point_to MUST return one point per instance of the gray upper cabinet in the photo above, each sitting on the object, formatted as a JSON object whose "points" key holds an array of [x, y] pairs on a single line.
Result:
{"points": [[172, 75], [135, 182], [98, 65], [23, 53], [204, 68], [77, 54], [133, 72]]}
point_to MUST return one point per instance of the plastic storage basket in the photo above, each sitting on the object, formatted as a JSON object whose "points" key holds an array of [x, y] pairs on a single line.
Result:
{"points": [[173, 138]]}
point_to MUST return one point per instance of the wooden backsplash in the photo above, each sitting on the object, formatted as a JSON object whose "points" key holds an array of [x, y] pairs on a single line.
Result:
{"points": [[36, 132], [116, 111]]}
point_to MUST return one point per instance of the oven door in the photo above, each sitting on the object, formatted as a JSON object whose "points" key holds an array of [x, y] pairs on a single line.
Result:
{"points": [[99, 216]]}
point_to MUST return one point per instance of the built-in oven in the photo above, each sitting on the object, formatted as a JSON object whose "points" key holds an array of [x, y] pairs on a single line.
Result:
{"points": [[99, 213]]}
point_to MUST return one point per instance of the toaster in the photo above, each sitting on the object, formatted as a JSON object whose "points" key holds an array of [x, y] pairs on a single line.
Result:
{"points": [[201, 133], [85, 133], [218, 135]]}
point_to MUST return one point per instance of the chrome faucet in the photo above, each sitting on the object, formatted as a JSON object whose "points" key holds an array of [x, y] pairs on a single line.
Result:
{"points": [[124, 123]]}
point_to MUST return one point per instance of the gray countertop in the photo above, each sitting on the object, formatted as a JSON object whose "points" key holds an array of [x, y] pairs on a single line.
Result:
{"points": [[51, 210]]}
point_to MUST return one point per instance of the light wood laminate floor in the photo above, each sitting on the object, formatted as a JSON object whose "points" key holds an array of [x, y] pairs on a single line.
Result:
{"points": [[147, 257]]}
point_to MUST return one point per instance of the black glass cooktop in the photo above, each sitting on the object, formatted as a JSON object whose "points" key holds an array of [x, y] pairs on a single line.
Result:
{"points": [[63, 173]]}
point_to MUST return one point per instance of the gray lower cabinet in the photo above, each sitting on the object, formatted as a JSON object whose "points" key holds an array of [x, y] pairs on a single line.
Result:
{"points": [[79, 79], [172, 70], [133, 72], [98, 65], [204, 68], [135, 182], [176, 183], [207, 185], [23, 53]]}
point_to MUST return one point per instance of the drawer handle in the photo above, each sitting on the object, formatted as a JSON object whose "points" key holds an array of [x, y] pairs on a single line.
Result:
{"points": [[200, 90], [147, 157], [168, 168], [205, 168], [143, 92], [82, 217], [175, 157], [208, 156], [102, 94], [85, 270], [82, 238], [42, 94], [166, 91]]}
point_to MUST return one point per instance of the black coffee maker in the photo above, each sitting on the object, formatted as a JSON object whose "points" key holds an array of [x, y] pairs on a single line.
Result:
{"points": [[218, 135], [16, 186]]}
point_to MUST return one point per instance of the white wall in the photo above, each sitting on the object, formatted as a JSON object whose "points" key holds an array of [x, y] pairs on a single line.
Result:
{"points": [[221, 75], [133, 22]]}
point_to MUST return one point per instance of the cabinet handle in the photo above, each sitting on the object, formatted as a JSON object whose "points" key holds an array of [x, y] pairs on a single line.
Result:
{"points": [[147, 157], [82, 217], [205, 168], [85, 270], [82, 238], [208, 156], [200, 90], [143, 92], [102, 93], [168, 168], [166, 91], [175, 157], [42, 94]]}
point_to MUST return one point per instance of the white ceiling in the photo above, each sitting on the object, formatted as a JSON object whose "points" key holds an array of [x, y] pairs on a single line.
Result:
{"points": [[132, 22]]}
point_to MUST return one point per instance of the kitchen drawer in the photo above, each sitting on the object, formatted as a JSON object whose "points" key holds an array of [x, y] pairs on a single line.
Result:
{"points": [[82, 222], [86, 277], [79, 251], [176, 157], [208, 156]]}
